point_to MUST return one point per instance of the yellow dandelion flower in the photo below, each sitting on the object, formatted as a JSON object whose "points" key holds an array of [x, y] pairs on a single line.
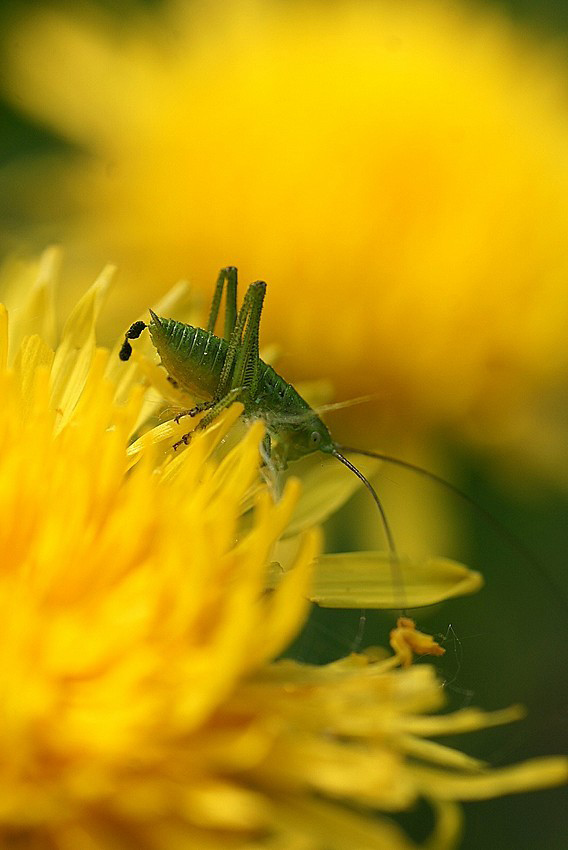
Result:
{"points": [[396, 171], [140, 703]]}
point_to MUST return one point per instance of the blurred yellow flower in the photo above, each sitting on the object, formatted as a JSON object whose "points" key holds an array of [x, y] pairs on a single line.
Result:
{"points": [[398, 172], [140, 705]]}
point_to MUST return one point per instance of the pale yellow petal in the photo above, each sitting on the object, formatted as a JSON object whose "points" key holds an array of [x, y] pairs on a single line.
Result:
{"points": [[326, 486], [39, 313], [225, 806], [339, 828], [536, 773], [371, 580], [33, 354], [3, 337], [75, 352], [28, 290], [465, 720], [168, 433], [448, 827], [288, 605], [430, 751], [342, 770]]}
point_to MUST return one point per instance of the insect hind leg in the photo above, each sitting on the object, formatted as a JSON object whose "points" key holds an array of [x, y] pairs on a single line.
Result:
{"points": [[229, 275], [241, 367]]}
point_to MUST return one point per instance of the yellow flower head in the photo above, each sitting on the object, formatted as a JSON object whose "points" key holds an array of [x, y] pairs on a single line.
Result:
{"points": [[397, 172], [139, 702]]}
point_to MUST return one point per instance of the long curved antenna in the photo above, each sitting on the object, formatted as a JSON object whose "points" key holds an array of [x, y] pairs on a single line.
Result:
{"points": [[396, 577], [350, 402], [506, 534], [307, 414]]}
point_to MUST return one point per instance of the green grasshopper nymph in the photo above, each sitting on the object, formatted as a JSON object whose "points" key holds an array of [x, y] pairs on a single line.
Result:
{"points": [[217, 371]]}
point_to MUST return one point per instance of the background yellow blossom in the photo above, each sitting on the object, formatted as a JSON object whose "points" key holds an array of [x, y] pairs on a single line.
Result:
{"points": [[139, 703], [397, 172]]}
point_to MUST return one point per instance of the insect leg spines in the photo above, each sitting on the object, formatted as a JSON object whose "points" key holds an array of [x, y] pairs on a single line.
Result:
{"points": [[218, 408], [247, 366], [228, 275], [195, 411], [214, 409], [243, 337]]}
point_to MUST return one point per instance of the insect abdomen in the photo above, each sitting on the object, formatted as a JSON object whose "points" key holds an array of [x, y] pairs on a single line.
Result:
{"points": [[193, 357]]}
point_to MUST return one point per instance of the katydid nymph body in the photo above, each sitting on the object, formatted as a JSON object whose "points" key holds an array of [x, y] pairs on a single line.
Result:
{"points": [[218, 371]]}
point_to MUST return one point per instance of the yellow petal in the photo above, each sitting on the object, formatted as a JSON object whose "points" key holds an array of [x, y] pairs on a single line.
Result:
{"points": [[466, 720], [371, 580], [431, 751], [33, 354], [28, 290], [448, 827], [3, 337], [536, 773], [39, 313], [225, 806], [284, 616], [75, 353], [340, 829], [325, 488]]}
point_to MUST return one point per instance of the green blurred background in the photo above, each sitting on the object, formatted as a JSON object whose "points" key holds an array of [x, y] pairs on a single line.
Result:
{"points": [[508, 645]]}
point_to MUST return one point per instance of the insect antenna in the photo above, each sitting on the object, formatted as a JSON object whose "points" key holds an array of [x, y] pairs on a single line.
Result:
{"points": [[341, 405], [394, 559], [502, 530]]}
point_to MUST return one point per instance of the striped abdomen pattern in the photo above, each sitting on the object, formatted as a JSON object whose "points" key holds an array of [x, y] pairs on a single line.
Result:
{"points": [[194, 359]]}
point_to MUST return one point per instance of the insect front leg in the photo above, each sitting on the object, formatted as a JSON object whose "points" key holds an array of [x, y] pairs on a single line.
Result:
{"points": [[195, 411], [215, 409]]}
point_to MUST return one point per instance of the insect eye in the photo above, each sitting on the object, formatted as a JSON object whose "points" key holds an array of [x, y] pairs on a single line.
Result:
{"points": [[315, 438]]}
